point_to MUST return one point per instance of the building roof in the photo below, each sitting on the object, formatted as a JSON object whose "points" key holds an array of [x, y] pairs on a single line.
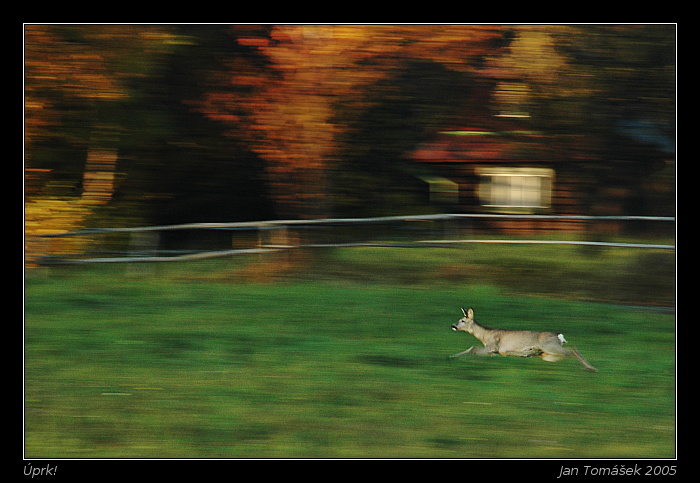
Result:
{"points": [[466, 145]]}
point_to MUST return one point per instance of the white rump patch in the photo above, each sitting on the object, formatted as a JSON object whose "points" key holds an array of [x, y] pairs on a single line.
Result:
{"points": [[561, 338]]}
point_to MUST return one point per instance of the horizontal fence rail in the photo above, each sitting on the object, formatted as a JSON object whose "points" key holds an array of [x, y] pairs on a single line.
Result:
{"points": [[187, 255], [254, 225]]}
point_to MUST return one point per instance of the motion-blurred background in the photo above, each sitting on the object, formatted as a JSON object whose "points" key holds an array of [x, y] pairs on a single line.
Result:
{"points": [[131, 125], [338, 351]]}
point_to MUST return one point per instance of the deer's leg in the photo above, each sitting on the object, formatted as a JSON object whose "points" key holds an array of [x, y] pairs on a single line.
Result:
{"points": [[554, 354], [462, 353], [479, 351], [546, 356], [581, 359], [524, 352]]}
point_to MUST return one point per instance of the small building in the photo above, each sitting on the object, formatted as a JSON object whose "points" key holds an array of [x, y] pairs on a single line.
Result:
{"points": [[502, 169], [492, 161]]}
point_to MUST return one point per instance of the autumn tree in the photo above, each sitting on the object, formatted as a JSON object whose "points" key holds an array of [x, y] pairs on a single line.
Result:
{"points": [[78, 80], [603, 94], [78, 84], [319, 80], [189, 171]]}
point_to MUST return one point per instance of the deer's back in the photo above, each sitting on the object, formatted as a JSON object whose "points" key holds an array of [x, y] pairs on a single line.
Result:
{"points": [[513, 340]]}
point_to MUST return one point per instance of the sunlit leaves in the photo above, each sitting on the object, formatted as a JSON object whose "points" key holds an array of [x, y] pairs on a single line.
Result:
{"points": [[290, 116]]}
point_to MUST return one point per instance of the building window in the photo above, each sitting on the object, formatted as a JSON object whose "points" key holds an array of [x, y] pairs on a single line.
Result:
{"points": [[520, 189]]}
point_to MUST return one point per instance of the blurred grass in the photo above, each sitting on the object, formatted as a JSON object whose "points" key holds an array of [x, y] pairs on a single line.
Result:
{"points": [[343, 354]]}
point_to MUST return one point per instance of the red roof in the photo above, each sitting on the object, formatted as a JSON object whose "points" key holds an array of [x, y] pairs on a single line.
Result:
{"points": [[470, 145]]}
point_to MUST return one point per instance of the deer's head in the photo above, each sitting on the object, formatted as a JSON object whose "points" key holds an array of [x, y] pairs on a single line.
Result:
{"points": [[465, 323]]}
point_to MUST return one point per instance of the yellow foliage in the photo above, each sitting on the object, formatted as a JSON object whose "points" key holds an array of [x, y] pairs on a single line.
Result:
{"points": [[44, 216]]}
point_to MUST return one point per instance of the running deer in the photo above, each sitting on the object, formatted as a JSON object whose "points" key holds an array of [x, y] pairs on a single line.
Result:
{"points": [[519, 343]]}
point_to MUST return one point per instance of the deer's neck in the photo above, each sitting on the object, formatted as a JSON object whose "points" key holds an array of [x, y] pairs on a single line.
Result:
{"points": [[480, 332]]}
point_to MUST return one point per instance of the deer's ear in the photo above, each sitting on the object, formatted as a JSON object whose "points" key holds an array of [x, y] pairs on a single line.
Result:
{"points": [[465, 314], [470, 313]]}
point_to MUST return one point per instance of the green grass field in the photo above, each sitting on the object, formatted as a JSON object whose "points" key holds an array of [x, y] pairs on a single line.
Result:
{"points": [[343, 354]]}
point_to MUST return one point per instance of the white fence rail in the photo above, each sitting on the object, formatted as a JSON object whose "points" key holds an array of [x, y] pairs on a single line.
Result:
{"points": [[260, 226], [252, 225]]}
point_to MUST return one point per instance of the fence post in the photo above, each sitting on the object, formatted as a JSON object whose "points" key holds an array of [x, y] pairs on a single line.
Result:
{"points": [[142, 243]]}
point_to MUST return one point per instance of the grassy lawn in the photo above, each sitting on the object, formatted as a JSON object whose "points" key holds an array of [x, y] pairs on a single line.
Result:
{"points": [[343, 354]]}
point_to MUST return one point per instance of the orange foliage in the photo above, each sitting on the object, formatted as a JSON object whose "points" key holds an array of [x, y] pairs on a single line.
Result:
{"points": [[69, 71], [287, 116], [85, 70], [53, 65]]}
